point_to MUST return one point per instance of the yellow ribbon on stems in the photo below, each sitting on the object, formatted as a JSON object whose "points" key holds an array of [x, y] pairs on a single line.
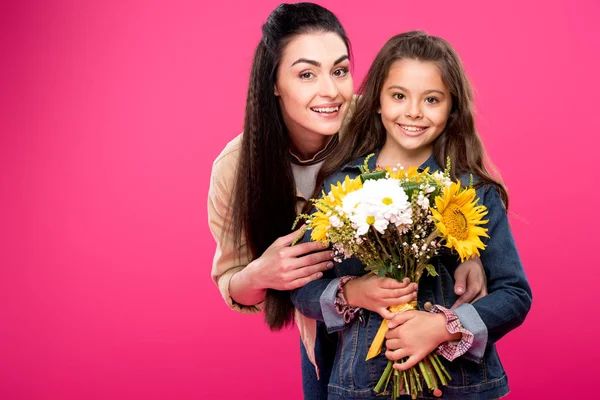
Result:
{"points": [[377, 344], [432, 371]]}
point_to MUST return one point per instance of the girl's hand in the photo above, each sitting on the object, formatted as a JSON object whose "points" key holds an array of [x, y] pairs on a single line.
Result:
{"points": [[377, 293], [415, 334], [282, 267], [471, 282]]}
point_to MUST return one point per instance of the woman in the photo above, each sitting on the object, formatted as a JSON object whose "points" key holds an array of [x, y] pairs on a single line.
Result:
{"points": [[299, 95]]}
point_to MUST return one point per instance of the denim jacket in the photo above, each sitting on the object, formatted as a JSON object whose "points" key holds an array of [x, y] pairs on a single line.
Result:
{"points": [[478, 374]]}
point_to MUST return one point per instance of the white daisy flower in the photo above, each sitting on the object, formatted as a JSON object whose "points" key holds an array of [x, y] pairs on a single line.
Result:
{"points": [[423, 201]]}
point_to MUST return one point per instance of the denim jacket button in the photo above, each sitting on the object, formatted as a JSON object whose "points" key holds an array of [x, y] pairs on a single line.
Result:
{"points": [[427, 306]]}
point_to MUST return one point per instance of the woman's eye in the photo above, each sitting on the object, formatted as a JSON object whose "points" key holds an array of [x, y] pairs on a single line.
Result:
{"points": [[340, 72], [398, 96], [431, 100], [306, 75]]}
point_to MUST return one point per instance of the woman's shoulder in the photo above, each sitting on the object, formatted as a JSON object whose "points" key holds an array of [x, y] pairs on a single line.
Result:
{"points": [[225, 164], [230, 153]]}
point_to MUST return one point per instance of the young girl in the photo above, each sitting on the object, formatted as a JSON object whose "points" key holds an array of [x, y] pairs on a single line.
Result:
{"points": [[299, 95], [416, 109]]}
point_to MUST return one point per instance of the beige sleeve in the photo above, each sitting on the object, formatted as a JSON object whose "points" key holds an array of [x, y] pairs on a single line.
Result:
{"points": [[227, 260]]}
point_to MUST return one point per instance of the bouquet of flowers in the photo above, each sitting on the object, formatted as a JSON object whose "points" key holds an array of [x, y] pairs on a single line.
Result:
{"points": [[394, 221]]}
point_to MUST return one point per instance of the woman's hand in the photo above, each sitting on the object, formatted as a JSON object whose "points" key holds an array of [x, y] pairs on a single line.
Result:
{"points": [[280, 267], [471, 282], [377, 293], [285, 267]]}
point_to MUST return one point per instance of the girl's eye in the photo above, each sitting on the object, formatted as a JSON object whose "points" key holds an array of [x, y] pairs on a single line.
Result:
{"points": [[340, 72], [432, 100], [307, 75], [398, 96]]}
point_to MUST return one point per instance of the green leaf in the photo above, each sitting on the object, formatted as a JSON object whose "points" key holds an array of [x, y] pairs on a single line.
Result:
{"points": [[409, 188], [431, 270], [372, 175]]}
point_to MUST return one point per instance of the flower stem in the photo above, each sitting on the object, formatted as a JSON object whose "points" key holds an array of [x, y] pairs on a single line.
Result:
{"points": [[426, 376], [439, 363], [396, 383], [406, 387], [418, 380], [413, 387], [434, 380], [385, 377], [381, 244], [437, 369]]}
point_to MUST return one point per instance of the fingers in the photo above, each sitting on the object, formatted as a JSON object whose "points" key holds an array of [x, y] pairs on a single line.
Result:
{"points": [[460, 277], [385, 313], [302, 249], [481, 294], [390, 283], [290, 237], [409, 363], [394, 301], [467, 297], [393, 344], [397, 354], [304, 272], [314, 258], [303, 281], [470, 281], [400, 318], [397, 293]]}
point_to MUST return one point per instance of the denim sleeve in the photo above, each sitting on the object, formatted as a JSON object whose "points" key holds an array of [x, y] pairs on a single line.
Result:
{"points": [[316, 299], [471, 321], [509, 298]]}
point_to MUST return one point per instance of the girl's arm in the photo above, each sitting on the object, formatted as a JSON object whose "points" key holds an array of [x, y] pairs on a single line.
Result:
{"points": [[317, 299], [489, 318]]}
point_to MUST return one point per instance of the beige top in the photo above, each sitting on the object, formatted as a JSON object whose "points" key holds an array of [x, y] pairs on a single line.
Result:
{"points": [[228, 260]]}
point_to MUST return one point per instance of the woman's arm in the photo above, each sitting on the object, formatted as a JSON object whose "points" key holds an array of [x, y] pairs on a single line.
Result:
{"points": [[242, 281]]}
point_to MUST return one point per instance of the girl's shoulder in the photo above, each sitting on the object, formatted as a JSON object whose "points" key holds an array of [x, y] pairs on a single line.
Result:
{"points": [[351, 169], [486, 192]]}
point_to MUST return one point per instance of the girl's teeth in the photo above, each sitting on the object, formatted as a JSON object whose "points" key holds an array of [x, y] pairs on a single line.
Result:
{"points": [[326, 109], [412, 128]]}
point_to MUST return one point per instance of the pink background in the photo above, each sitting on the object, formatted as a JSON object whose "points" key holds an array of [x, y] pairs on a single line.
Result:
{"points": [[110, 116]]}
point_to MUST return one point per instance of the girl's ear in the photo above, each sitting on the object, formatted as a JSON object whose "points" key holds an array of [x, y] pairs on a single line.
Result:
{"points": [[275, 91]]}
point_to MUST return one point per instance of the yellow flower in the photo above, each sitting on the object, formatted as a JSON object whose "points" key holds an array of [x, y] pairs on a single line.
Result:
{"points": [[320, 225], [340, 190], [458, 218], [412, 173]]}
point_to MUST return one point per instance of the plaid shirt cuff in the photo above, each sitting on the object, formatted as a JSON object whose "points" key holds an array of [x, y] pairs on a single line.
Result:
{"points": [[341, 305], [455, 348]]}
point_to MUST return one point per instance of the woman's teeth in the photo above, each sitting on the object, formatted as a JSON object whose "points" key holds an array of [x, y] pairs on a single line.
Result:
{"points": [[326, 109]]}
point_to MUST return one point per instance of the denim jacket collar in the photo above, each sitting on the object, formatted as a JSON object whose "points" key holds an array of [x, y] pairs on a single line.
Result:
{"points": [[372, 164]]}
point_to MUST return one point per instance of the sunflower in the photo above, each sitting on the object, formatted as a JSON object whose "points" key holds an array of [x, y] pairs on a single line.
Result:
{"points": [[458, 218], [320, 225], [341, 189]]}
